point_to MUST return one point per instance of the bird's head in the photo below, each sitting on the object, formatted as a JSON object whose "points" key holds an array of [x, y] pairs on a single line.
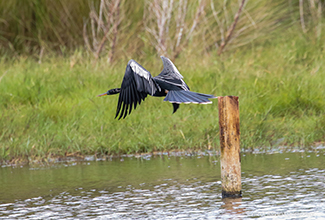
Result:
{"points": [[111, 92]]}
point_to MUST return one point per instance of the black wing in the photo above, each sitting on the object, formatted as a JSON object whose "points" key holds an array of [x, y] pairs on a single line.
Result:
{"points": [[136, 85], [171, 76]]}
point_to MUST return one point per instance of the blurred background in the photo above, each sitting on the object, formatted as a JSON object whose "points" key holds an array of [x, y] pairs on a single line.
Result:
{"points": [[120, 29]]}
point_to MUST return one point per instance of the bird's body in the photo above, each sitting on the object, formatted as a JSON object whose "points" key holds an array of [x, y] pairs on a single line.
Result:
{"points": [[138, 83]]}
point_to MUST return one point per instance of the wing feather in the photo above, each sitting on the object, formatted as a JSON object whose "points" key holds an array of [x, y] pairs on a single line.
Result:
{"points": [[170, 68], [136, 85], [136, 95], [171, 75], [123, 107], [119, 104], [132, 98], [127, 100]]}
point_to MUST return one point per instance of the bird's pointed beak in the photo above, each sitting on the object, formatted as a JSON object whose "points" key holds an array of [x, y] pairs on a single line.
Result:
{"points": [[102, 94]]}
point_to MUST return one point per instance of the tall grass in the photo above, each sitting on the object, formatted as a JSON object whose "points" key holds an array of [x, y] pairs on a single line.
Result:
{"points": [[29, 25], [42, 28], [51, 109], [56, 27]]}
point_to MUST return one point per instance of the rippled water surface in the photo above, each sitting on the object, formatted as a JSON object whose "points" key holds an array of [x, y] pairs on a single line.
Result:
{"points": [[283, 186]]}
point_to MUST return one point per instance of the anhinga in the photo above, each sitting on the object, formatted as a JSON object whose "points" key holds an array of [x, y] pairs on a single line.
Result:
{"points": [[138, 83]]}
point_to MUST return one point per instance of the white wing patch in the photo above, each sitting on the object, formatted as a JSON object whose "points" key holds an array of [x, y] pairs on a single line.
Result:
{"points": [[170, 66], [140, 71], [176, 70]]}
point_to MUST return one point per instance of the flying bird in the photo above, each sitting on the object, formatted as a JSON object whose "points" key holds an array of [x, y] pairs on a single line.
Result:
{"points": [[138, 83]]}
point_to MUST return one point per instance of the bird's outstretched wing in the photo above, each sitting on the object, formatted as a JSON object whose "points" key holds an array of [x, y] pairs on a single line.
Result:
{"points": [[171, 76], [136, 85], [178, 91]]}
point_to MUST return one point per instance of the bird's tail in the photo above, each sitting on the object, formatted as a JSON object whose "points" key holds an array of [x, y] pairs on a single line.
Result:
{"points": [[182, 96]]}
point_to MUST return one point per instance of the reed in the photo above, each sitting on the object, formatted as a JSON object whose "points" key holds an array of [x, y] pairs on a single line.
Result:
{"points": [[120, 31]]}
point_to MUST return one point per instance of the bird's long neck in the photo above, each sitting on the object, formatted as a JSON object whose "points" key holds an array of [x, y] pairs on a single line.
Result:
{"points": [[114, 91]]}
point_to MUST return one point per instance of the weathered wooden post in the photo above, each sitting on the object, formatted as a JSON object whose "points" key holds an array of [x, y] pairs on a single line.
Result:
{"points": [[229, 144]]}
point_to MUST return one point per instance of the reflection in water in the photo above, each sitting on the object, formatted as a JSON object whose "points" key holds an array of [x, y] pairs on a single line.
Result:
{"points": [[274, 186], [233, 205]]}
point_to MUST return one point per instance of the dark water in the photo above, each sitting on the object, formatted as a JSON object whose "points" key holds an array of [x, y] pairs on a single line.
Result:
{"points": [[283, 186]]}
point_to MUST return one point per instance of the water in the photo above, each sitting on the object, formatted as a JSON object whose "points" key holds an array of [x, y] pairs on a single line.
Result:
{"points": [[283, 186]]}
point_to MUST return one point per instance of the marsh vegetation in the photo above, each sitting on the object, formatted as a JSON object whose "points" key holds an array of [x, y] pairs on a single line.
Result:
{"points": [[49, 77]]}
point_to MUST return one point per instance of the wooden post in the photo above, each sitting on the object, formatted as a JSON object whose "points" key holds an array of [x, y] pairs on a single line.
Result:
{"points": [[229, 144]]}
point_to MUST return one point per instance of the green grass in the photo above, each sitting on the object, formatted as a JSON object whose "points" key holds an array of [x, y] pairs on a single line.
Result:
{"points": [[51, 109]]}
